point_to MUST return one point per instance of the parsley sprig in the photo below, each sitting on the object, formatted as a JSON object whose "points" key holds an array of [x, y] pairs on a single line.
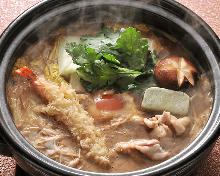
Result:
{"points": [[112, 59]]}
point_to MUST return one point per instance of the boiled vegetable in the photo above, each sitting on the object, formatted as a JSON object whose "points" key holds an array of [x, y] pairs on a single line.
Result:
{"points": [[112, 60], [108, 103], [160, 99], [66, 65]]}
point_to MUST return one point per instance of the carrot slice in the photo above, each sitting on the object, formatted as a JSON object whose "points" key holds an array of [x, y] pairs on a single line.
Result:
{"points": [[108, 103]]}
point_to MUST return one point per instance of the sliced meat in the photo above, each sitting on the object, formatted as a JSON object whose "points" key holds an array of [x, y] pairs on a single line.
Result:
{"points": [[150, 148], [180, 124], [161, 131], [161, 124]]}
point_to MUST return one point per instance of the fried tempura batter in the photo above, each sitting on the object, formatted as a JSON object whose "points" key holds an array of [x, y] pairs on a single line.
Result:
{"points": [[63, 104]]}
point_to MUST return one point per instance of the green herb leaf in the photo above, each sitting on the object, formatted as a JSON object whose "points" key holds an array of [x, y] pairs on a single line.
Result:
{"points": [[112, 60], [133, 50], [102, 42], [77, 52]]}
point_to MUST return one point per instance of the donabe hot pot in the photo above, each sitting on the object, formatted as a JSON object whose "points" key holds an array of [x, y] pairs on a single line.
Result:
{"points": [[168, 16]]}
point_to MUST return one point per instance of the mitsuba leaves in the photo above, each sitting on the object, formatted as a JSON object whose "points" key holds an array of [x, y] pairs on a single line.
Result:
{"points": [[112, 59], [81, 54], [103, 42], [99, 71], [133, 50]]}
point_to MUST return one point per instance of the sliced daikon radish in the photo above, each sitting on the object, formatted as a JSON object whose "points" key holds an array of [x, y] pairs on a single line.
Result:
{"points": [[160, 99]]}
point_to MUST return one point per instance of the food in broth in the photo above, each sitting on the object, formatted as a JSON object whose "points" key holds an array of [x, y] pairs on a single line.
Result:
{"points": [[97, 99]]}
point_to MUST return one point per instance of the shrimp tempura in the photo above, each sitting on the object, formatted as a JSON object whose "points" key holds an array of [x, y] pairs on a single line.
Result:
{"points": [[64, 106]]}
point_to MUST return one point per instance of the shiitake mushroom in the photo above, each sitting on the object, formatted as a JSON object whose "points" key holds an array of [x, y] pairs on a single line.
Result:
{"points": [[175, 72]]}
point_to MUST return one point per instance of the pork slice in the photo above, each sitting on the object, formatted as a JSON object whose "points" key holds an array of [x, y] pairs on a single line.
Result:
{"points": [[151, 148], [161, 124]]}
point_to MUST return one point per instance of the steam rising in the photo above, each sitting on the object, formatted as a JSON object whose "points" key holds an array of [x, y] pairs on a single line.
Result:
{"points": [[97, 16]]}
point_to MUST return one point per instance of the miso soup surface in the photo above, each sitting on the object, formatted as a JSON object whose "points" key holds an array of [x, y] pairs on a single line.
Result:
{"points": [[44, 126]]}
